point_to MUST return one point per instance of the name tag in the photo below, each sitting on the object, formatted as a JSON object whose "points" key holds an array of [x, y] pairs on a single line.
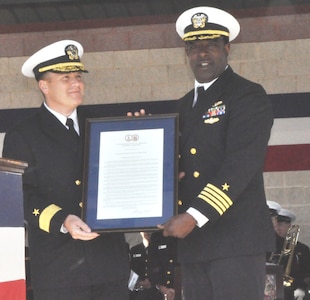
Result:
{"points": [[160, 247], [137, 255]]}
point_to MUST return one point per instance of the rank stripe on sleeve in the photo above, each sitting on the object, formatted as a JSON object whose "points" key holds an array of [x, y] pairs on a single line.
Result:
{"points": [[46, 216], [216, 198]]}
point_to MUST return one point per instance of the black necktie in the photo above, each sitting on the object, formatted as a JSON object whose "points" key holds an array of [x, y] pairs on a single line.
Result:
{"points": [[72, 131], [200, 94]]}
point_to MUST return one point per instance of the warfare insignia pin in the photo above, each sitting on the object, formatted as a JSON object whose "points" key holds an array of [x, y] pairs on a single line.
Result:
{"points": [[217, 103], [72, 52], [211, 115], [211, 120]]}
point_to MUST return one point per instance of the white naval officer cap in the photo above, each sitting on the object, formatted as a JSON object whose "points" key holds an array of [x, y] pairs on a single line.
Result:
{"points": [[286, 215], [203, 22], [274, 206], [59, 57]]}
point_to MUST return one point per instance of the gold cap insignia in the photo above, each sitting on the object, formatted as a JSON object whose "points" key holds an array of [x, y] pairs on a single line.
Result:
{"points": [[72, 52], [199, 20]]}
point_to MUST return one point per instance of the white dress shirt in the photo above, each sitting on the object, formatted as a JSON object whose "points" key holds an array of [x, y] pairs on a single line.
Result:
{"points": [[63, 119]]}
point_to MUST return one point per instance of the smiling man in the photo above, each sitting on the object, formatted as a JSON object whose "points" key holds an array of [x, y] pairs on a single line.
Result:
{"points": [[68, 260], [223, 225]]}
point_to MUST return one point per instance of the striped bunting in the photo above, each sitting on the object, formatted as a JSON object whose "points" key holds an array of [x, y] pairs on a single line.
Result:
{"points": [[289, 144], [12, 236]]}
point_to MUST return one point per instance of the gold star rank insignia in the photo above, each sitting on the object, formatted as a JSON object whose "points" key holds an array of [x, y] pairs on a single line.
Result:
{"points": [[225, 186], [35, 211]]}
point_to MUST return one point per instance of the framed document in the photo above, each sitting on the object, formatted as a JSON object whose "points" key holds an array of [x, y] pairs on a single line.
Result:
{"points": [[130, 174]]}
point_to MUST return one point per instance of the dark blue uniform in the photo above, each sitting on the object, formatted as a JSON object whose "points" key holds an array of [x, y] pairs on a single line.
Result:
{"points": [[52, 190], [162, 259], [299, 269], [139, 261], [223, 141]]}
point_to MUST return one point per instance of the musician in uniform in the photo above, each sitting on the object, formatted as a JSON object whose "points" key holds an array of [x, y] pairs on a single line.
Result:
{"points": [[139, 263], [300, 267], [163, 264], [274, 209]]}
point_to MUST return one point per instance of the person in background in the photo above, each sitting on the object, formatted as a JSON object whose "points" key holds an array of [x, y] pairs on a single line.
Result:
{"points": [[274, 209], [139, 262], [163, 265], [68, 260], [223, 223], [300, 268]]}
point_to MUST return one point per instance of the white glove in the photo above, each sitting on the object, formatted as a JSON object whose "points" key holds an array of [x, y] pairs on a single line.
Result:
{"points": [[299, 294]]}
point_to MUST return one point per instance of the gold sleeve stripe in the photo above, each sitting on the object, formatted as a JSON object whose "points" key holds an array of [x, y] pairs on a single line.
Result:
{"points": [[47, 214], [211, 203], [220, 195], [217, 196], [214, 200]]}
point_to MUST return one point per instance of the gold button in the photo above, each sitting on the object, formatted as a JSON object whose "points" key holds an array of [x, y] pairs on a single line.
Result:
{"points": [[193, 151], [81, 204], [171, 260], [180, 156], [168, 272], [78, 182], [168, 281], [180, 202], [196, 174]]}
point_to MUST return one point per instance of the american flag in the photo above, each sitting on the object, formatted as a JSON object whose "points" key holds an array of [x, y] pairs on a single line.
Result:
{"points": [[12, 236]]}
